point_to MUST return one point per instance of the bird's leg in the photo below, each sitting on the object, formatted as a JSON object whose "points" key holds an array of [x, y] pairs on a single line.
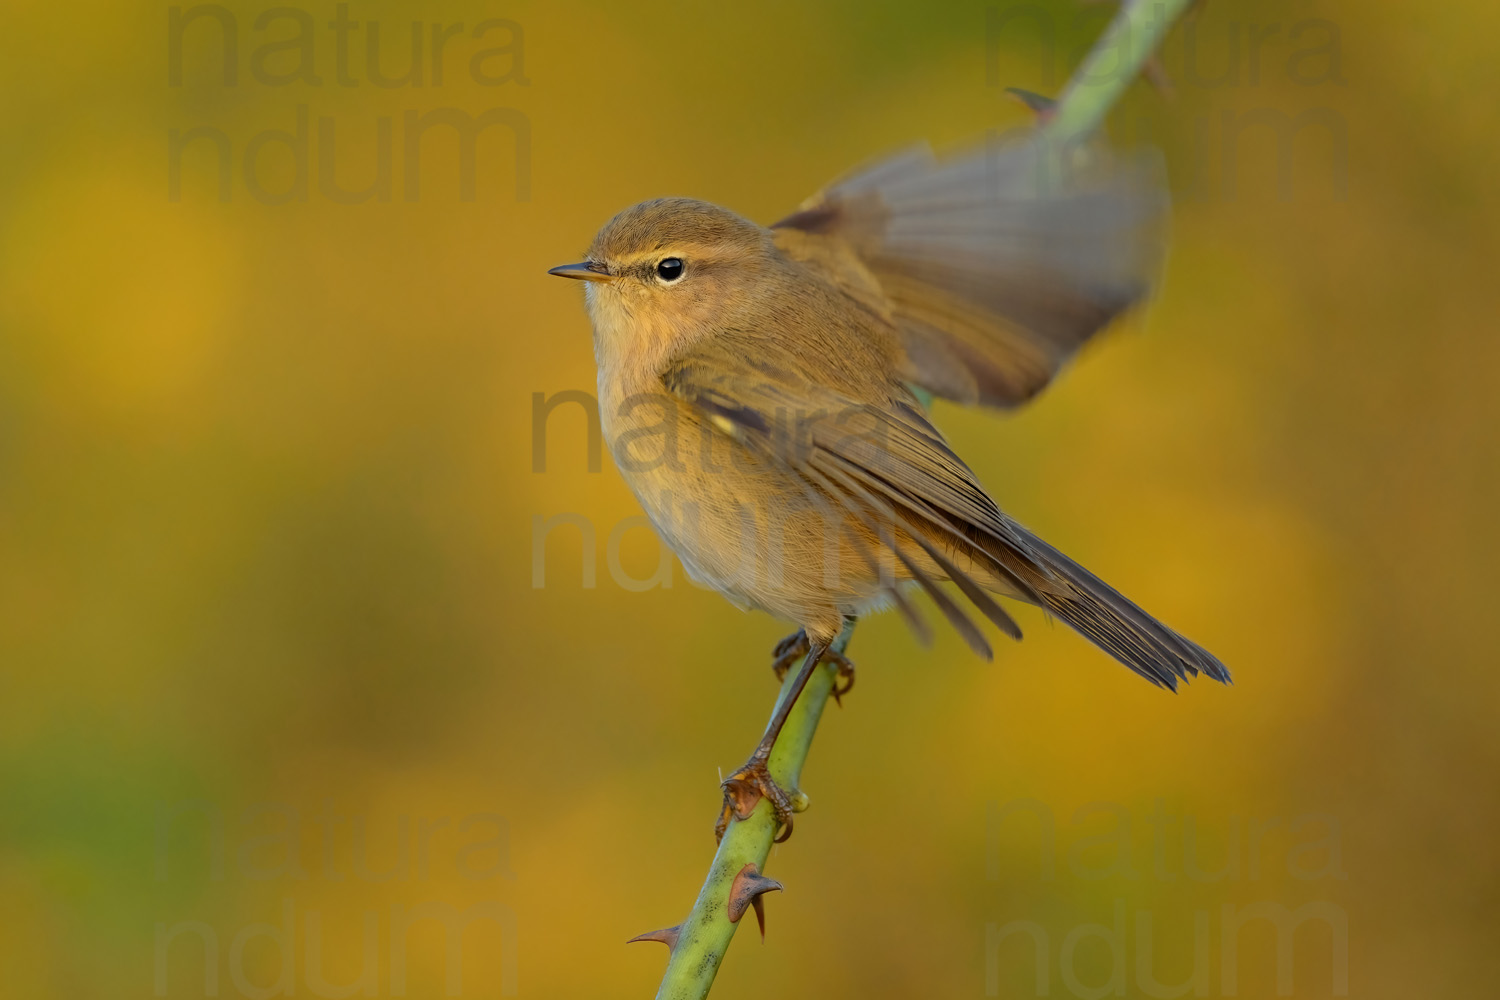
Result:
{"points": [[795, 646], [744, 789]]}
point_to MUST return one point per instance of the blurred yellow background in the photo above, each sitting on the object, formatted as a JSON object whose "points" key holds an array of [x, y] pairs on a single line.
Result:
{"points": [[267, 505]]}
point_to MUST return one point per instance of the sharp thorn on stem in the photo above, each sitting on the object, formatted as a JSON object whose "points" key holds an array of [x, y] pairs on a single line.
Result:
{"points": [[746, 890], [1042, 107], [667, 936]]}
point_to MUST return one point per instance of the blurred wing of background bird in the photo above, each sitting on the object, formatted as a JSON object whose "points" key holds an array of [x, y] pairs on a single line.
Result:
{"points": [[995, 266], [867, 449]]}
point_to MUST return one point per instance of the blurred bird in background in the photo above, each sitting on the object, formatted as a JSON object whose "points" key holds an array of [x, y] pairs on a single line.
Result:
{"points": [[756, 388]]}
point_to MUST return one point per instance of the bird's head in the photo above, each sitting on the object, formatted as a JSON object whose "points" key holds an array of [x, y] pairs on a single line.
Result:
{"points": [[664, 270]]}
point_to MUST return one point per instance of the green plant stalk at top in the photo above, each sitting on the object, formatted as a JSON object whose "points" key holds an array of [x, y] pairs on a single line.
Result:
{"points": [[1111, 66], [703, 938]]}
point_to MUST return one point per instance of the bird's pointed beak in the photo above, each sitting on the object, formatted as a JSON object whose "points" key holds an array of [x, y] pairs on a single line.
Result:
{"points": [[585, 270]]}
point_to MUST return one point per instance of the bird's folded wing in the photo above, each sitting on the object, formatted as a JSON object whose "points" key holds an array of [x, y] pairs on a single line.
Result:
{"points": [[994, 266], [879, 460], [907, 496]]}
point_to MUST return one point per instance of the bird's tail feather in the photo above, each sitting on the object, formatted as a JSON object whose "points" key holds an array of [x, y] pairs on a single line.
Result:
{"points": [[1110, 621]]}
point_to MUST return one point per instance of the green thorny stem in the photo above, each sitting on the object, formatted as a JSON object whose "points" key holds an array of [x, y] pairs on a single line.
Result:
{"points": [[703, 938]]}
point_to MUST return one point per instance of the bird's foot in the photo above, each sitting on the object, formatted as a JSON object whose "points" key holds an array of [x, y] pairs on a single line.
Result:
{"points": [[743, 791], [795, 646]]}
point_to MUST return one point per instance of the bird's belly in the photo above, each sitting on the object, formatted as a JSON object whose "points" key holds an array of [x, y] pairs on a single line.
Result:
{"points": [[742, 526], [742, 535]]}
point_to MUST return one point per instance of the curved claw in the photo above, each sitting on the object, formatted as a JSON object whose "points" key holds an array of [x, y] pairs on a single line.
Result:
{"points": [[793, 645], [743, 791], [787, 652], [844, 682], [722, 824]]}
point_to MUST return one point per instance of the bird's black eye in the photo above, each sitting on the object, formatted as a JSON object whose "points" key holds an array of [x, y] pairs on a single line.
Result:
{"points": [[670, 269]]}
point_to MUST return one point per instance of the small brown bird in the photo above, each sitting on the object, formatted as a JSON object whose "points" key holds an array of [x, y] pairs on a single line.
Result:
{"points": [[755, 388]]}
